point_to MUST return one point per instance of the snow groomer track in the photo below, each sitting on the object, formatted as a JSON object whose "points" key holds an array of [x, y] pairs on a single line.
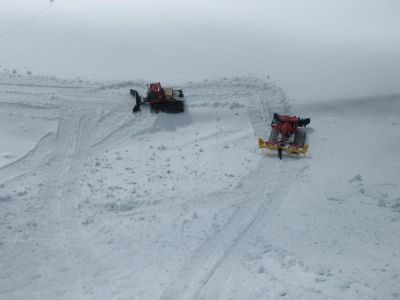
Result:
{"points": [[98, 203]]}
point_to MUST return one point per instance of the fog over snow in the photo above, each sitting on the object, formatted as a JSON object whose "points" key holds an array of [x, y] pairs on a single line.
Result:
{"points": [[317, 49]]}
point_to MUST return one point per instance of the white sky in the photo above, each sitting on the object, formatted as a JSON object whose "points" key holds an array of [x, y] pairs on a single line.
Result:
{"points": [[317, 49]]}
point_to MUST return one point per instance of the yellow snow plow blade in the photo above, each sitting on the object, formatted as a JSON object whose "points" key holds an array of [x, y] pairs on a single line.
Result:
{"points": [[263, 144]]}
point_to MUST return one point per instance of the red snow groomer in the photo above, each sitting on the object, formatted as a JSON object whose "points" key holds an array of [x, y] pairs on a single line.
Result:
{"points": [[286, 136], [160, 99]]}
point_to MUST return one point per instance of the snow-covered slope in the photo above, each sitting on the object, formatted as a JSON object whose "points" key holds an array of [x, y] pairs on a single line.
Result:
{"points": [[97, 203]]}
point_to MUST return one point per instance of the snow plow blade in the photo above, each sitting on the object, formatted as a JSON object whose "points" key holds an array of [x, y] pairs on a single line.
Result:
{"points": [[291, 149]]}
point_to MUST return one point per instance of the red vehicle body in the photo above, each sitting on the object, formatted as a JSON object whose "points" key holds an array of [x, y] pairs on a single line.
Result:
{"points": [[160, 99], [155, 93], [286, 135]]}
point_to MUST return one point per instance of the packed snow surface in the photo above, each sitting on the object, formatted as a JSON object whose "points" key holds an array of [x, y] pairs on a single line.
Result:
{"points": [[98, 203]]}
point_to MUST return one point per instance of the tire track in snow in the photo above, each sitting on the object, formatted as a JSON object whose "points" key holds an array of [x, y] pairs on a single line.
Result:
{"points": [[276, 192], [218, 254], [78, 150], [71, 151], [76, 147], [121, 124], [34, 106], [260, 195], [59, 169], [67, 206]]}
